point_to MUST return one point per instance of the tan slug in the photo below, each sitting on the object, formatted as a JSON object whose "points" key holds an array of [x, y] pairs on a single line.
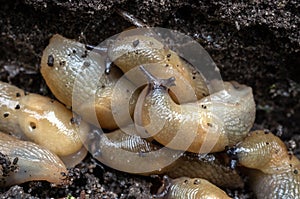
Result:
{"points": [[23, 161], [191, 188], [212, 168], [131, 153], [130, 51], [76, 77], [208, 125], [274, 172], [39, 119]]}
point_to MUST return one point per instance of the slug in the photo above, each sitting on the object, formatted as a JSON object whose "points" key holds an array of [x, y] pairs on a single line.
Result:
{"points": [[131, 153], [213, 169], [22, 161], [208, 125], [191, 188], [76, 77], [131, 50], [41, 120], [274, 171]]}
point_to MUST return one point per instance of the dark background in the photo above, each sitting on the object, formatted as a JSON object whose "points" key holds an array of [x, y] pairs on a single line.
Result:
{"points": [[255, 43]]}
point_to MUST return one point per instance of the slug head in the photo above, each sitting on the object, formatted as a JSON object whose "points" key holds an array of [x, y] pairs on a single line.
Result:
{"points": [[233, 155], [260, 150], [156, 82], [163, 190]]}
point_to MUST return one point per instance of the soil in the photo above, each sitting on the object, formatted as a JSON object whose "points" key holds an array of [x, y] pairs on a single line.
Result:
{"points": [[255, 43]]}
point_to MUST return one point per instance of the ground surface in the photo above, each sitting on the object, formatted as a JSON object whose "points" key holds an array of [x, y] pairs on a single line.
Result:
{"points": [[257, 43]]}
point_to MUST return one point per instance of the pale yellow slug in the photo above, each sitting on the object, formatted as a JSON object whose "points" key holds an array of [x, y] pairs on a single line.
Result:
{"points": [[23, 161]]}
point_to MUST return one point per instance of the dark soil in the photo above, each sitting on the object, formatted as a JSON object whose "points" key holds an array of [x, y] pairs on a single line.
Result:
{"points": [[256, 43]]}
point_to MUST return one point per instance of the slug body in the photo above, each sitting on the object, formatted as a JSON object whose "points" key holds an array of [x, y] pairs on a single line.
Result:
{"points": [[212, 169], [209, 125], [76, 77], [39, 119], [192, 188], [28, 162], [128, 151], [128, 52], [274, 172]]}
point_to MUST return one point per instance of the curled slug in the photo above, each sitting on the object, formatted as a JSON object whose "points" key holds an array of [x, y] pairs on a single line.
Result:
{"points": [[76, 77], [192, 188], [39, 119], [22, 161], [208, 125], [274, 172], [129, 51]]}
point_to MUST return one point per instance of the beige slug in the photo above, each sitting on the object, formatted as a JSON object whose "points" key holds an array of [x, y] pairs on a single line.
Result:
{"points": [[214, 169], [209, 125], [130, 51], [76, 77], [274, 172], [23, 161], [39, 119], [131, 153], [191, 188]]}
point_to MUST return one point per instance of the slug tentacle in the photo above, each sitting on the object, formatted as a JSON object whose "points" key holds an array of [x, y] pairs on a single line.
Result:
{"points": [[28, 162], [274, 172], [39, 119], [209, 125], [156, 82]]}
